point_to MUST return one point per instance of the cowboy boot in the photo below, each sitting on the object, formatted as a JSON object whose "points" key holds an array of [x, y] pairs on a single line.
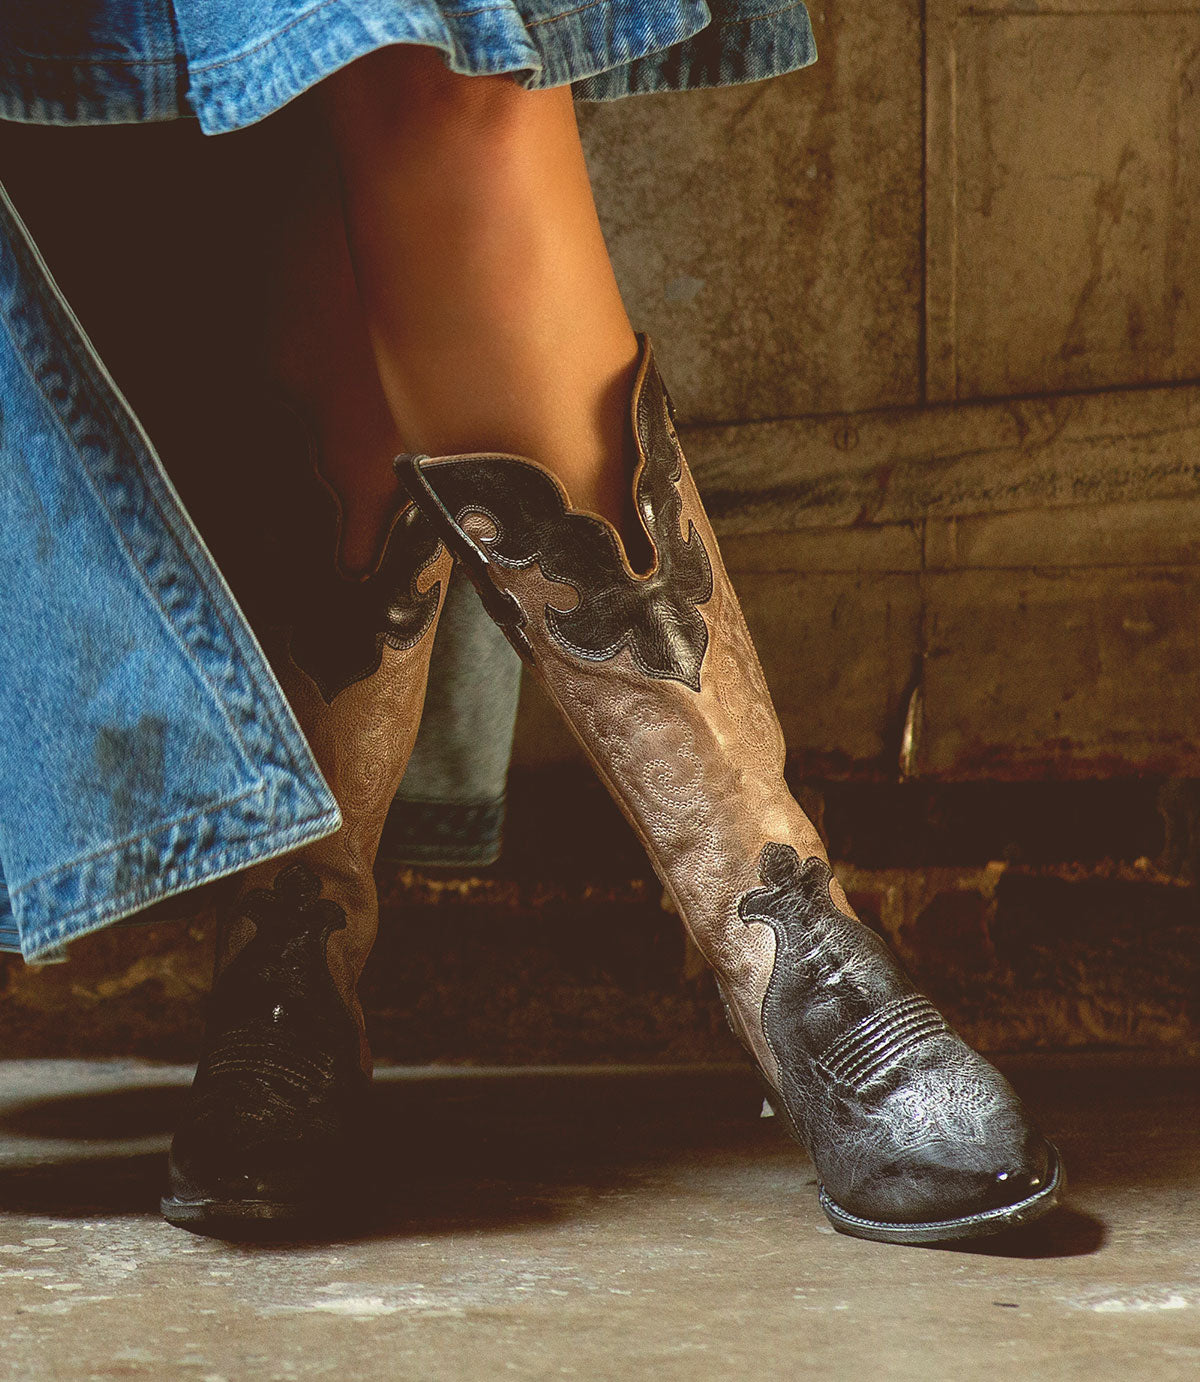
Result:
{"points": [[915, 1137], [276, 1123]]}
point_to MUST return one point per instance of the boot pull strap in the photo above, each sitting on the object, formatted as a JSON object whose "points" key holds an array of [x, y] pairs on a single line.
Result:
{"points": [[502, 605]]}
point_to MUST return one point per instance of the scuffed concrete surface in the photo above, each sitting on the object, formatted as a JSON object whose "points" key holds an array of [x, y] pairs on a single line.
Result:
{"points": [[591, 1224]]}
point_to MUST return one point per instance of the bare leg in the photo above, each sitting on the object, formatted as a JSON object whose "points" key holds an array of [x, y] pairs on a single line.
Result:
{"points": [[491, 303], [318, 349]]}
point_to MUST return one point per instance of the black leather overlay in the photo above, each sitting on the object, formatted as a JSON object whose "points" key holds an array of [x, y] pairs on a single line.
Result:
{"points": [[290, 912], [830, 971], [655, 617], [280, 981], [343, 623], [906, 1124], [278, 1104]]}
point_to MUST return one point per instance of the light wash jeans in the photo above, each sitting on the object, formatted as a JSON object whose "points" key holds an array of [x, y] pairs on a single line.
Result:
{"points": [[146, 745]]}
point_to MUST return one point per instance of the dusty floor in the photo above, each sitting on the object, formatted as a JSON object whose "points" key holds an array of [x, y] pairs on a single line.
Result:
{"points": [[591, 1225]]}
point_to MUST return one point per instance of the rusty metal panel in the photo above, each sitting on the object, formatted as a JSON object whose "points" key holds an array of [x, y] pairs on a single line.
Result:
{"points": [[1063, 191], [769, 236]]}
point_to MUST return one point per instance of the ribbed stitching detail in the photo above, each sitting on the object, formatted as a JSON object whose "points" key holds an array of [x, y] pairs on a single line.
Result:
{"points": [[248, 1052], [880, 1039]]}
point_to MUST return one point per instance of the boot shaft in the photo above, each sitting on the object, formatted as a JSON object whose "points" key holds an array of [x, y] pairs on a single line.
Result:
{"points": [[654, 671], [352, 654]]}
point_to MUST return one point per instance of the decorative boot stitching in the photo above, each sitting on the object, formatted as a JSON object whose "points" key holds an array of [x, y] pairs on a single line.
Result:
{"points": [[248, 1051], [878, 1041], [275, 1008], [656, 616]]}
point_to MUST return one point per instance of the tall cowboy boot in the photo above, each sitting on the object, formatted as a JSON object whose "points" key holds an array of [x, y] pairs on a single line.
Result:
{"points": [[275, 1126], [915, 1137]]}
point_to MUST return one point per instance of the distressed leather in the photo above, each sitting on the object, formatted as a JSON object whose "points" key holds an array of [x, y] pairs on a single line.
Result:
{"points": [[277, 1109], [279, 1096], [906, 1124]]}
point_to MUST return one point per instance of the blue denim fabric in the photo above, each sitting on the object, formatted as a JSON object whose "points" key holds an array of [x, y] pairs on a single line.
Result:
{"points": [[231, 63], [450, 806], [146, 745]]}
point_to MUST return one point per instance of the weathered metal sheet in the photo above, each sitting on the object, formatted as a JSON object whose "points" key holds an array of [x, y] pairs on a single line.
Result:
{"points": [[769, 236]]}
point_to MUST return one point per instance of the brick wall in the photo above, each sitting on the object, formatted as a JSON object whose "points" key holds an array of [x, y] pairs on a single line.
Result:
{"points": [[1042, 917]]}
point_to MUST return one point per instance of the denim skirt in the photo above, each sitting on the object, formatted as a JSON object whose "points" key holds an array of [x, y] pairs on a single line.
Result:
{"points": [[230, 63]]}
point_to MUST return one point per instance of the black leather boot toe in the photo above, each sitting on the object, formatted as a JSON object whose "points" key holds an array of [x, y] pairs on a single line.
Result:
{"points": [[915, 1136], [278, 1115], [268, 1157], [932, 1147]]}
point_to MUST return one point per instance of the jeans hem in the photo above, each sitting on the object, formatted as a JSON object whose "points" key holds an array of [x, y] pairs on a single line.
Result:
{"points": [[450, 834], [45, 925], [587, 48], [285, 799]]}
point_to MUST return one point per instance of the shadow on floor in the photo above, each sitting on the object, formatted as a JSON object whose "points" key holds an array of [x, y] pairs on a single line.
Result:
{"points": [[484, 1150], [452, 1150], [108, 1115], [1064, 1232], [87, 1187]]}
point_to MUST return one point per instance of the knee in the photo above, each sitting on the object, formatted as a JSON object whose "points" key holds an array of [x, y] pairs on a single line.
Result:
{"points": [[406, 93]]}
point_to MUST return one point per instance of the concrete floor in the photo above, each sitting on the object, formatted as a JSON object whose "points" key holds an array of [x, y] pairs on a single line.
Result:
{"points": [[593, 1225]]}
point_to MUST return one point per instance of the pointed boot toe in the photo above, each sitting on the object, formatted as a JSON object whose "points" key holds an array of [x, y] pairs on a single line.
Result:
{"points": [[275, 1125], [230, 1191], [239, 1180], [940, 1149], [915, 1137]]}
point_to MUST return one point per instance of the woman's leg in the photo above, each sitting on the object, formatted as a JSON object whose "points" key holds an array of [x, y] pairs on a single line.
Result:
{"points": [[317, 348], [493, 309]]}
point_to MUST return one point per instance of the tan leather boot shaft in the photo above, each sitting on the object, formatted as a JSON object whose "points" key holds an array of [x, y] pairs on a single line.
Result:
{"points": [[358, 700], [659, 680]]}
